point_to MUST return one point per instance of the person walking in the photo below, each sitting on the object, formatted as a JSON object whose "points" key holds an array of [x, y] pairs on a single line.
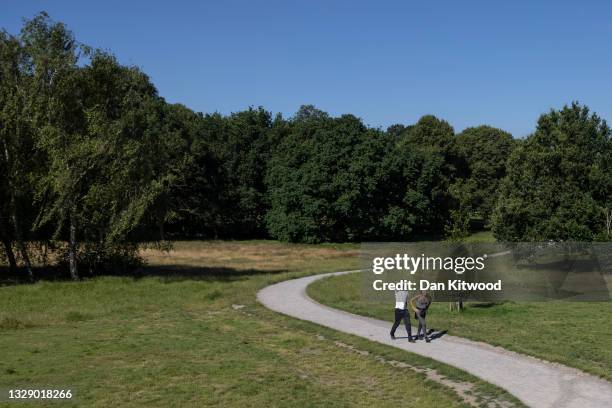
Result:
{"points": [[419, 304], [401, 298]]}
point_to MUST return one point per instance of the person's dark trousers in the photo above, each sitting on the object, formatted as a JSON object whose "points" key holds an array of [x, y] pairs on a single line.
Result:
{"points": [[399, 315], [422, 326]]}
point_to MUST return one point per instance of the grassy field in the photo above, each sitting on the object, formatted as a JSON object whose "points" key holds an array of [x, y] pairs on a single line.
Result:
{"points": [[189, 332], [479, 237], [577, 334]]}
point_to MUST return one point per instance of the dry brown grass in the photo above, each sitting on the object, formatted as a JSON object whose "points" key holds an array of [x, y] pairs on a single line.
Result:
{"points": [[243, 255]]}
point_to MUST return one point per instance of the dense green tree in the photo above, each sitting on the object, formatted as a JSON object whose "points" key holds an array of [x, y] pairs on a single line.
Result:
{"points": [[58, 116], [243, 148], [333, 179], [558, 180], [192, 206], [16, 150], [434, 138], [91, 156], [480, 159], [396, 130], [432, 134], [98, 125], [414, 183], [125, 149], [311, 182], [309, 112]]}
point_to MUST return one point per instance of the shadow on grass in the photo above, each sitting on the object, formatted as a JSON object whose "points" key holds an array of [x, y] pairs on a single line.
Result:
{"points": [[19, 277], [173, 273], [167, 273], [485, 305]]}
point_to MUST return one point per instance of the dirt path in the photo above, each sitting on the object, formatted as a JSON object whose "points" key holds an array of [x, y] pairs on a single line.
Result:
{"points": [[535, 382]]}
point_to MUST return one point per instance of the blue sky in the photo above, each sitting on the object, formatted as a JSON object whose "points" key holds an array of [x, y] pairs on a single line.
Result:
{"points": [[469, 62]]}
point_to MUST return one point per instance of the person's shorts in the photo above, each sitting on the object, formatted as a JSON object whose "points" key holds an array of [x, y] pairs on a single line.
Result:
{"points": [[423, 313]]}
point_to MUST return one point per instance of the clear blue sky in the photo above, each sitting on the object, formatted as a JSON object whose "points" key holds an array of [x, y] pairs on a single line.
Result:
{"points": [[469, 62]]}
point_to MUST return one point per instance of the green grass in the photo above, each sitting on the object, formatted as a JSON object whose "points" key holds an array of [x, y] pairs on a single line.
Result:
{"points": [[576, 334], [480, 237], [191, 333]]}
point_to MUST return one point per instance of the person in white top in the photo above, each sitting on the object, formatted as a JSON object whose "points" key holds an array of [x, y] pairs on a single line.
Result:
{"points": [[401, 297]]}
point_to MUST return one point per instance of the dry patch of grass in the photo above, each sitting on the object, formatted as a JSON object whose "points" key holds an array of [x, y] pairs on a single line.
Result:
{"points": [[248, 255]]}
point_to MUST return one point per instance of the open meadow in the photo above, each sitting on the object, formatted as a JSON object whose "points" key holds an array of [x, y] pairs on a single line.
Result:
{"points": [[189, 332]]}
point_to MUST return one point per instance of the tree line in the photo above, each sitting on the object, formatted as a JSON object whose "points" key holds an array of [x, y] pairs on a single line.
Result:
{"points": [[94, 163]]}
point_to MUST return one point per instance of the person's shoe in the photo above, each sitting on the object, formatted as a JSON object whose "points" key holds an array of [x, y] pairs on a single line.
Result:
{"points": [[427, 339], [392, 336], [411, 339]]}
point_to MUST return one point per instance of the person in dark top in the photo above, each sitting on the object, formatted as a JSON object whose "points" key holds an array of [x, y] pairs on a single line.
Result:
{"points": [[419, 304], [401, 297]]}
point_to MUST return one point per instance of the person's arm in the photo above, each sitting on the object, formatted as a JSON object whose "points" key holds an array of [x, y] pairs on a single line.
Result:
{"points": [[412, 305]]}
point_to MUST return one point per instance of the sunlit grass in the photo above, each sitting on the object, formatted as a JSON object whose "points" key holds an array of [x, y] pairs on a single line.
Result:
{"points": [[577, 334], [189, 332]]}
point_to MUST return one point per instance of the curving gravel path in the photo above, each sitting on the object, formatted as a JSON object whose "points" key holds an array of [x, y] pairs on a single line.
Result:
{"points": [[535, 382]]}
